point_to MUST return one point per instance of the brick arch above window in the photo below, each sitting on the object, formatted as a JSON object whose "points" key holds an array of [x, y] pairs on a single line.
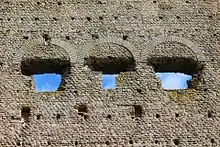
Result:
{"points": [[29, 45], [161, 39], [84, 51]]}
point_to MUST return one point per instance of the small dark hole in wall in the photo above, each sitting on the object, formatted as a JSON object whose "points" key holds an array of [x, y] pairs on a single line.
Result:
{"points": [[82, 110], [176, 141], [22, 19], [59, 3], [25, 113], [48, 143], [67, 37], [88, 18], [154, 1], [187, 2], [86, 116], [76, 143], [38, 117], [38, 3], [18, 143], [100, 2], [9, 19], [156, 141], [26, 37], [55, 19], [157, 115], [116, 17], [76, 92], [94, 36], [72, 18], [107, 142], [58, 116], [160, 17], [178, 17], [125, 37], [36, 18], [138, 111], [46, 37], [101, 17], [210, 114], [109, 116], [139, 90], [177, 115], [212, 141], [131, 141], [210, 16]]}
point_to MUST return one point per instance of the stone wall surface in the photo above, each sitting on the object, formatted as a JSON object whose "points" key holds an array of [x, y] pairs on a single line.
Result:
{"points": [[60, 35]]}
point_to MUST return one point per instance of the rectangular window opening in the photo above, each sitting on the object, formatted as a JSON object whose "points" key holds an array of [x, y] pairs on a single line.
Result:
{"points": [[109, 81], [47, 82], [48, 73], [174, 81], [176, 72]]}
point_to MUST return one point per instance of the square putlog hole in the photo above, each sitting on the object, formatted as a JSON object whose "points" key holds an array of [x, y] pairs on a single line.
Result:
{"points": [[25, 114]]}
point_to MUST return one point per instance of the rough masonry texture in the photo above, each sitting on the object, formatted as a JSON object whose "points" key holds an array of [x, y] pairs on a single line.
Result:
{"points": [[83, 39]]}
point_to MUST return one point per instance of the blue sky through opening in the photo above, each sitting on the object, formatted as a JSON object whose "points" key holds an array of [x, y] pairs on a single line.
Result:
{"points": [[47, 82], [174, 80], [51, 82], [109, 81]]}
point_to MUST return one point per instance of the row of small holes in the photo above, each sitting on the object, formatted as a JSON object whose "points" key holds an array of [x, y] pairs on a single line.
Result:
{"points": [[99, 2], [100, 17], [178, 17], [54, 18], [49, 143], [124, 37], [58, 3], [157, 116], [156, 2], [94, 36], [210, 115], [58, 116], [109, 116], [175, 141]]}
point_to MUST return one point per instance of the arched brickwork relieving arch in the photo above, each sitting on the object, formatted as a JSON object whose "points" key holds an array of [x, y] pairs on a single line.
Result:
{"points": [[28, 46], [158, 40], [84, 51]]}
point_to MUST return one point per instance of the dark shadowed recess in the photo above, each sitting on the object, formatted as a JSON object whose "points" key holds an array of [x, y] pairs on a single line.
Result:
{"points": [[110, 65], [175, 64], [30, 66], [25, 113]]}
